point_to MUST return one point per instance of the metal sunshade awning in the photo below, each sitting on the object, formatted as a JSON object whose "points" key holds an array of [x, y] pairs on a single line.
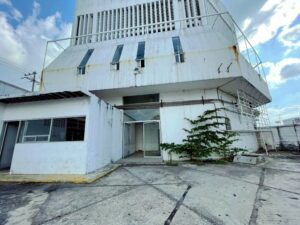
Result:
{"points": [[42, 97]]}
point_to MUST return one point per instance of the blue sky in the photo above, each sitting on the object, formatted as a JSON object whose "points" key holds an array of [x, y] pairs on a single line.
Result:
{"points": [[272, 26], [66, 7]]}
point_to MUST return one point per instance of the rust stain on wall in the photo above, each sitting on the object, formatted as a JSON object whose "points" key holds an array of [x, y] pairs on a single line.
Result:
{"points": [[235, 51]]}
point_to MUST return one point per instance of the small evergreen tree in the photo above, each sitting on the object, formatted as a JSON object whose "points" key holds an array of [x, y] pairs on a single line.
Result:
{"points": [[207, 136]]}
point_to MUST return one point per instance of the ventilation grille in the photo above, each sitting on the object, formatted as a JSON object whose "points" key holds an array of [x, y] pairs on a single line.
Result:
{"points": [[136, 20]]}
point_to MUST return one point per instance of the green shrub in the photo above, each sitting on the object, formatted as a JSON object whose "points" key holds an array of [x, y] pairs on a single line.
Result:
{"points": [[206, 137]]}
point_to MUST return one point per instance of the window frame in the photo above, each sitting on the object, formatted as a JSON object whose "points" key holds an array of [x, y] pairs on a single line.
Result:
{"points": [[140, 55], [21, 140], [115, 64], [35, 136], [228, 125], [81, 69], [178, 50]]}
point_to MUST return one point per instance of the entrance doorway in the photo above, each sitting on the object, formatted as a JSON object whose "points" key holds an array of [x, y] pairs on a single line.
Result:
{"points": [[141, 139], [7, 144]]}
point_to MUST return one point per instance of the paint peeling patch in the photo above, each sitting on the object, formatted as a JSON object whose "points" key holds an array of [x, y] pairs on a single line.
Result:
{"points": [[25, 214]]}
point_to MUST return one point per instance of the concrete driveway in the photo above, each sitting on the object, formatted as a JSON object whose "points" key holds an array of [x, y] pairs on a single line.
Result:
{"points": [[153, 195]]}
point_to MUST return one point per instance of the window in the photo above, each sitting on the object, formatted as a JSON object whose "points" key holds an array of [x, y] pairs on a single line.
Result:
{"points": [[71, 129], [116, 59], [36, 130], [141, 114], [140, 56], [228, 124], [53, 130], [179, 54], [82, 66], [140, 99]]}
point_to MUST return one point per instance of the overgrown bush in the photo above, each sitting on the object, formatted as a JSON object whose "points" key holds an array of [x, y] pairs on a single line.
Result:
{"points": [[207, 136]]}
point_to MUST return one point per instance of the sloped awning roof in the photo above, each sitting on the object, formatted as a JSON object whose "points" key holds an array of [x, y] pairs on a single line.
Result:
{"points": [[34, 97]]}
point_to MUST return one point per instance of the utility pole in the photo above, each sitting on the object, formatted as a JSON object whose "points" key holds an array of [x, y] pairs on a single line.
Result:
{"points": [[32, 78]]}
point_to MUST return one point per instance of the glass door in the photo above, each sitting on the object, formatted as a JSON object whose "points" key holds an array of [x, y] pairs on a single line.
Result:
{"points": [[129, 139], [8, 144], [151, 142]]}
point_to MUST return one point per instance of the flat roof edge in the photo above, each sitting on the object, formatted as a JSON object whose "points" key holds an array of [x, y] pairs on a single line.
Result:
{"points": [[37, 96]]}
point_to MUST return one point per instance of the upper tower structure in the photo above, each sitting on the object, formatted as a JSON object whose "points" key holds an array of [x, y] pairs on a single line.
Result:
{"points": [[137, 45], [112, 20]]}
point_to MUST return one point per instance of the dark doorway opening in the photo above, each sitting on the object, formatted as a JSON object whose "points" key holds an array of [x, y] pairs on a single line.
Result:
{"points": [[7, 144]]}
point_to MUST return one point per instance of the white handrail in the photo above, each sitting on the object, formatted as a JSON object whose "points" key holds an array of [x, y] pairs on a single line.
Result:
{"points": [[257, 65]]}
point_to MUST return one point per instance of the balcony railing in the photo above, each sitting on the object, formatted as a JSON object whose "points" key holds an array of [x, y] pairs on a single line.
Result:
{"points": [[217, 21]]}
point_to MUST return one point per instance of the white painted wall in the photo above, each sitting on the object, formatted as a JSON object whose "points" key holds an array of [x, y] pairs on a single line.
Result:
{"points": [[173, 119], [46, 109], [102, 144], [288, 136], [104, 134], [50, 158], [202, 59], [117, 135], [292, 121]]}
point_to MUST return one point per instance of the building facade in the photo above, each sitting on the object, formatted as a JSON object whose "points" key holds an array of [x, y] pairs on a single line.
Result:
{"points": [[127, 79]]}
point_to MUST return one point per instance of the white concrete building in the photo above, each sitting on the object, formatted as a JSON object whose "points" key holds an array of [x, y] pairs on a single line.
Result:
{"points": [[125, 82]]}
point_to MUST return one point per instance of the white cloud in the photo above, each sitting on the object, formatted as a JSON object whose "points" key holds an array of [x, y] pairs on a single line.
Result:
{"points": [[10, 45], [270, 19], [14, 13], [290, 38], [282, 71], [25, 44], [6, 2], [277, 114]]}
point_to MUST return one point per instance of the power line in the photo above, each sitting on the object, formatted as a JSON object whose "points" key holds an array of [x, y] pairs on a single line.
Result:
{"points": [[14, 65], [32, 78], [20, 72]]}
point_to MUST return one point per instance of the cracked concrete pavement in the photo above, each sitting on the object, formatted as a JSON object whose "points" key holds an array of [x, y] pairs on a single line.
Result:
{"points": [[150, 195]]}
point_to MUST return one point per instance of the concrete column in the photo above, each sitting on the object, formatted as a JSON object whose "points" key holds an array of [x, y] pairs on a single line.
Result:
{"points": [[188, 13], [105, 25], [147, 20], [170, 15], [177, 13], [126, 21], [81, 28], [138, 18], [151, 16], [109, 24], [74, 32]]}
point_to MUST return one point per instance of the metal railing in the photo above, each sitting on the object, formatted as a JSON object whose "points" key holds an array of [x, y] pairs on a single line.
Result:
{"points": [[207, 22]]}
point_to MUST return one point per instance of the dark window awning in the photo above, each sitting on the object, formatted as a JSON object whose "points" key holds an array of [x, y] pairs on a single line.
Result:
{"points": [[177, 45], [141, 51], [117, 55], [42, 97]]}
